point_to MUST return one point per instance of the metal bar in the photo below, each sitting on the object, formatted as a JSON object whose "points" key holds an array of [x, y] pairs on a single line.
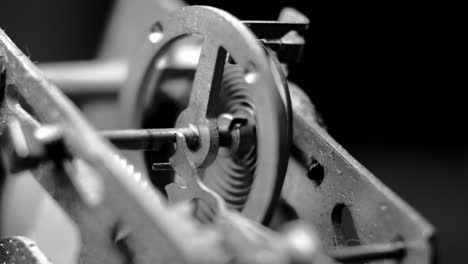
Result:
{"points": [[285, 38], [366, 253], [207, 82], [275, 29], [88, 79]]}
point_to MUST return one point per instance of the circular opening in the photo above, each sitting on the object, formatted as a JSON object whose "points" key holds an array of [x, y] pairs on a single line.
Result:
{"points": [[156, 33], [344, 227], [316, 172]]}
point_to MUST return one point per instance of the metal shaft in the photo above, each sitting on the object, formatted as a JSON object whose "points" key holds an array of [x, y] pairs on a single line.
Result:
{"points": [[88, 80], [147, 139]]}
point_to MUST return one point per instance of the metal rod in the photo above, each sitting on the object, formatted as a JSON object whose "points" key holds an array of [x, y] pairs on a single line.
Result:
{"points": [[148, 139], [140, 139], [372, 252], [162, 166], [87, 79]]}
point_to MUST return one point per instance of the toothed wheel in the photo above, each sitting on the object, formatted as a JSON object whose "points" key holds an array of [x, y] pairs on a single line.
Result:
{"points": [[238, 107]]}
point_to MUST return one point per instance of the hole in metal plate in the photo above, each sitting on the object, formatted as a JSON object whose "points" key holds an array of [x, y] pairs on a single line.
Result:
{"points": [[315, 172], [344, 227]]}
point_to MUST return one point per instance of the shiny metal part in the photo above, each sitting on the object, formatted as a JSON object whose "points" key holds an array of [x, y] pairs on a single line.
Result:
{"points": [[20, 250], [99, 224], [127, 221], [223, 34], [31, 99], [317, 162], [193, 188], [375, 214], [103, 78], [246, 148]]}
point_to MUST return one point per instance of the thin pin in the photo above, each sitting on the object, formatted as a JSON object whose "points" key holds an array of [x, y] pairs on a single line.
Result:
{"points": [[163, 166]]}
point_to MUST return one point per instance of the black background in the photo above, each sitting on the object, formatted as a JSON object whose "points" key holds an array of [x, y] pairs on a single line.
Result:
{"points": [[383, 76]]}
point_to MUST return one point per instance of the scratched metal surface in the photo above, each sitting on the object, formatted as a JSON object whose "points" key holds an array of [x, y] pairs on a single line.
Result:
{"points": [[379, 215]]}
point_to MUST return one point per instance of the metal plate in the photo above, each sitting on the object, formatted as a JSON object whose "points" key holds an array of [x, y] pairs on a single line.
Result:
{"points": [[376, 214]]}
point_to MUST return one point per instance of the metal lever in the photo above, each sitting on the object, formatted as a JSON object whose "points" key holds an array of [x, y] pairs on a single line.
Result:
{"points": [[194, 187]]}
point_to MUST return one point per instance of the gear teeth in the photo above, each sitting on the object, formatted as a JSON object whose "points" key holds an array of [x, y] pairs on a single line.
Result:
{"points": [[137, 176]]}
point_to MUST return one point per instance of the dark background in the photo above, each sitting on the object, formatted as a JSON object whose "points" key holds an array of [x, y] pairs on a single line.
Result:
{"points": [[384, 78]]}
